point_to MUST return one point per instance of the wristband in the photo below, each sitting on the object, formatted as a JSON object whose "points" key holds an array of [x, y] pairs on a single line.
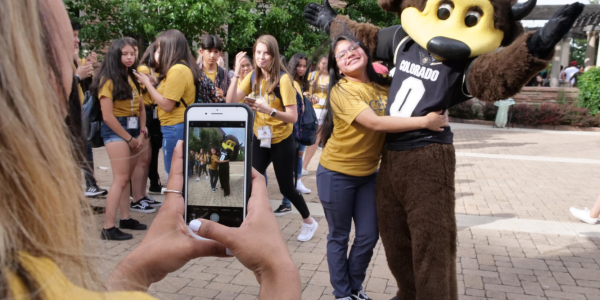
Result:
{"points": [[130, 139], [237, 76]]}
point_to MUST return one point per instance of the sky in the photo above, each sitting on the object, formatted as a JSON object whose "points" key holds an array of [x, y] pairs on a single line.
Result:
{"points": [[527, 23], [239, 133]]}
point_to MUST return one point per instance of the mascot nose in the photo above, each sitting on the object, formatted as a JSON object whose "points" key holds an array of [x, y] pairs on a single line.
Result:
{"points": [[449, 49]]}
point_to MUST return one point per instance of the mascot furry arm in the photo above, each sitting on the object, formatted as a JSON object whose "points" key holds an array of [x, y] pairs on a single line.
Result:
{"points": [[456, 30]]}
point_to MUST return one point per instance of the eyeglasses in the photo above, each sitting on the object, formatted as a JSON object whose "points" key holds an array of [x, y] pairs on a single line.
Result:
{"points": [[344, 53]]}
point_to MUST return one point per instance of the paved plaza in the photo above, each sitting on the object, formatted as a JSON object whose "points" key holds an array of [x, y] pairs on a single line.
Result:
{"points": [[200, 193], [516, 238]]}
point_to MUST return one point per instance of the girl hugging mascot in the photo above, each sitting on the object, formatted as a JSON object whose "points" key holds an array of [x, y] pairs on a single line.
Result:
{"points": [[445, 52]]}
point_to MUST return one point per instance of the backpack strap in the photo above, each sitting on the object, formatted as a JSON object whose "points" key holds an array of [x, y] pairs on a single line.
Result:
{"points": [[182, 101]]}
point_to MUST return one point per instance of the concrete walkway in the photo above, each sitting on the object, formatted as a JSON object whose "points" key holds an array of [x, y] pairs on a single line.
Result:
{"points": [[516, 238]]}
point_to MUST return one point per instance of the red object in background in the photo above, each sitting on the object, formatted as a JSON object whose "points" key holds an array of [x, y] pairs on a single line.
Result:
{"points": [[379, 68]]}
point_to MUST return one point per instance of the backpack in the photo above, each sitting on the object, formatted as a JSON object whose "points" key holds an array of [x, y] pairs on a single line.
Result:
{"points": [[202, 88], [305, 128], [92, 120]]}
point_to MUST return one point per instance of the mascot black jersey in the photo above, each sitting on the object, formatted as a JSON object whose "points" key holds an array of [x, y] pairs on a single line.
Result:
{"points": [[422, 84]]}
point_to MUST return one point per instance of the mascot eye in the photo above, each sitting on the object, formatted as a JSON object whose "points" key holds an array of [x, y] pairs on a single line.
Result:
{"points": [[444, 11], [472, 18]]}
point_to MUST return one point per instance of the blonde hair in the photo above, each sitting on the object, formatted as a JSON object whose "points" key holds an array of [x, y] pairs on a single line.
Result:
{"points": [[274, 68], [41, 201]]}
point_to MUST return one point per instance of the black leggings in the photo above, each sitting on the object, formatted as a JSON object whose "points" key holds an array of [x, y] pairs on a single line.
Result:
{"points": [[202, 169], [214, 176], [224, 178], [282, 156]]}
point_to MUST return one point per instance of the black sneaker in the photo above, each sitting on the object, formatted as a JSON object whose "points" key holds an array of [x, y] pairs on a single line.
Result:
{"points": [[132, 224], [141, 206], [151, 201], [115, 234], [360, 295], [282, 210], [94, 191]]}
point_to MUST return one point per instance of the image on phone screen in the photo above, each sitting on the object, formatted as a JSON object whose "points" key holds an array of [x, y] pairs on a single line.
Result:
{"points": [[216, 172]]}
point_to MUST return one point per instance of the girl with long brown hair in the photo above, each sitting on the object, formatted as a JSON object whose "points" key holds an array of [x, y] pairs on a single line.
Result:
{"points": [[176, 88], [276, 112], [124, 134]]}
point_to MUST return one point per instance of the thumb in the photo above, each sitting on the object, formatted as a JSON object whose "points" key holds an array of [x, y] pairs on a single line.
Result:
{"points": [[327, 5], [439, 112], [214, 231]]}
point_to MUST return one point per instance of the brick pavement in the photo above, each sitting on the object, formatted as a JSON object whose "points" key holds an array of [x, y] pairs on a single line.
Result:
{"points": [[491, 264], [200, 192]]}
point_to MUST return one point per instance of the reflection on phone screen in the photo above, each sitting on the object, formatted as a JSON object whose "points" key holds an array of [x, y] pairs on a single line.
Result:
{"points": [[216, 175]]}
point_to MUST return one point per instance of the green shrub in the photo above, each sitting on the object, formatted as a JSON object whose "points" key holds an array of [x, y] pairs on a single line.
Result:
{"points": [[589, 90]]}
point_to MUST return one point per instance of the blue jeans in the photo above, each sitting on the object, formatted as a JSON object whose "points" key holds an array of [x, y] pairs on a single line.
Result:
{"points": [[345, 199], [108, 135], [171, 135]]}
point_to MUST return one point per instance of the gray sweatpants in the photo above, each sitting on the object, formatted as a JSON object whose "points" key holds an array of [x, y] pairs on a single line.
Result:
{"points": [[346, 198]]}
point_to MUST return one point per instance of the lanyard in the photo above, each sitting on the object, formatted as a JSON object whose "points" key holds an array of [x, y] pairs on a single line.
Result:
{"points": [[321, 84], [132, 98]]}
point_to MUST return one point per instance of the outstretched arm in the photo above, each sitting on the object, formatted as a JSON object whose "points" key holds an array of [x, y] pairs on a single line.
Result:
{"points": [[491, 77], [379, 41]]}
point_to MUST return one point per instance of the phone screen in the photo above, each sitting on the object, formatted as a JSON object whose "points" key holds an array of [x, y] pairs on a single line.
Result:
{"points": [[216, 172]]}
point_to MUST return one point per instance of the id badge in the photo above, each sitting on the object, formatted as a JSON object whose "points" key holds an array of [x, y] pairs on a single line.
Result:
{"points": [[322, 101], [132, 123], [265, 143], [264, 132], [155, 113]]}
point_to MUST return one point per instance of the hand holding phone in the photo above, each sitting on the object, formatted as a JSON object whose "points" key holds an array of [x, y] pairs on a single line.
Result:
{"points": [[249, 100]]}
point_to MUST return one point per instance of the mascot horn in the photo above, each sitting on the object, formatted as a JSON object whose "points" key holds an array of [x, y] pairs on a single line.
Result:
{"points": [[445, 52]]}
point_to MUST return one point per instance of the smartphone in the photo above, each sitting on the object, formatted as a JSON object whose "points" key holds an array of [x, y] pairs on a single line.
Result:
{"points": [[250, 99], [217, 162]]}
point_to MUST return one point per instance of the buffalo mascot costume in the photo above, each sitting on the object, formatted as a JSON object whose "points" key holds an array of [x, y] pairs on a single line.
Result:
{"points": [[445, 52]]}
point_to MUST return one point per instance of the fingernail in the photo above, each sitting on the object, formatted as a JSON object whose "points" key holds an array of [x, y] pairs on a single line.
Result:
{"points": [[195, 225], [228, 252]]}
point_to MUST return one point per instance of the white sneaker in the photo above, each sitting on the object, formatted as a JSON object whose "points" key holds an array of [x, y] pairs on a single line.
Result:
{"points": [[198, 179], [308, 230], [304, 172], [344, 298], [583, 215], [301, 188]]}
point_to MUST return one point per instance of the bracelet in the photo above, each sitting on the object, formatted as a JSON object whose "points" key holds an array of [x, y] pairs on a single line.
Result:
{"points": [[237, 76], [130, 139]]}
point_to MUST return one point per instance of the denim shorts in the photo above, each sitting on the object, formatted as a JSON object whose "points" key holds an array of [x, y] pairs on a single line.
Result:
{"points": [[108, 135]]}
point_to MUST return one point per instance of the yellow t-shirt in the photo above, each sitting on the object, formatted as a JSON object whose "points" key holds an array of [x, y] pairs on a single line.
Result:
{"points": [[122, 108], [213, 162], [179, 83], [280, 129], [353, 149], [54, 284], [212, 76], [320, 90], [148, 101]]}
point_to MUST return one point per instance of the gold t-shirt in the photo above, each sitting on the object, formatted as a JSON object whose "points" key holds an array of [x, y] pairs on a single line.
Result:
{"points": [[179, 83], [213, 162], [122, 108], [148, 101], [212, 76], [322, 85], [280, 129], [353, 149], [54, 284]]}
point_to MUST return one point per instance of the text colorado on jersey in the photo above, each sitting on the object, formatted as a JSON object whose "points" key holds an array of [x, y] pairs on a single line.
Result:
{"points": [[418, 71]]}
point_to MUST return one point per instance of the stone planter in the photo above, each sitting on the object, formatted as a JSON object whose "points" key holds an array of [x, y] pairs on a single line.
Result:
{"points": [[543, 127]]}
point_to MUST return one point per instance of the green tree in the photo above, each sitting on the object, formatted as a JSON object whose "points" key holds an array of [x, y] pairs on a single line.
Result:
{"points": [[578, 49], [144, 19]]}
